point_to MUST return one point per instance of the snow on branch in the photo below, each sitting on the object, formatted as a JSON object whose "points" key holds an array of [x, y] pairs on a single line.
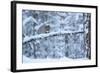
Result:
{"points": [[28, 19], [27, 38]]}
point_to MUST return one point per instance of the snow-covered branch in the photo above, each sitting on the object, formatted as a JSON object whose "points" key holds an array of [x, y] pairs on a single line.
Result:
{"points": [[27, 39], [30, 19]]}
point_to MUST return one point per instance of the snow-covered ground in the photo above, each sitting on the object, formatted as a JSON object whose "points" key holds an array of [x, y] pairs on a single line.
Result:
{"points": [[64, 59]]}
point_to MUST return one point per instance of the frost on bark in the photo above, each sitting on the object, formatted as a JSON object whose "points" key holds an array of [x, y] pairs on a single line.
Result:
{"points": [[54, 34]]}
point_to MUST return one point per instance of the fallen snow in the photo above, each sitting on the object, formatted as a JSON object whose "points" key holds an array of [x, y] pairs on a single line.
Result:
{"points": [[64, 59]]}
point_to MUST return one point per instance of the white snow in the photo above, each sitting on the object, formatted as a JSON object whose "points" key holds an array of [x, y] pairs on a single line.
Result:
{"points": [[64, 59], [27, 38], [29, 19]]}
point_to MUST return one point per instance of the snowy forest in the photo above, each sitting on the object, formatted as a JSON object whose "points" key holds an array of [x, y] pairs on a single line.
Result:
{"points": [[55, 35]]}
